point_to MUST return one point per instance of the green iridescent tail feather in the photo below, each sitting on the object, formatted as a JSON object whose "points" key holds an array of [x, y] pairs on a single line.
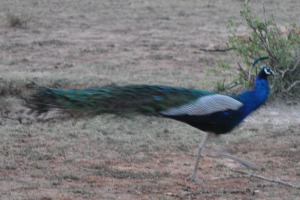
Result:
{"points": [[143, 99]]}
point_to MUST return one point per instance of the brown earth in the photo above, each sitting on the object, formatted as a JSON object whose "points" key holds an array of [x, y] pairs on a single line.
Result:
{"points": [[88, 43]]}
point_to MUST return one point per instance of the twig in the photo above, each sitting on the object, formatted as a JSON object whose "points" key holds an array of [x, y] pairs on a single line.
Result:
{"points": [[293, 85], [291, 70], [278, 181], [296, 65], [231, 177], [243, 71], [217, 50]]}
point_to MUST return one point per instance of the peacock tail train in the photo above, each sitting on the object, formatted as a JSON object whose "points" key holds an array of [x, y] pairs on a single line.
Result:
{"points": [[143, 99]]}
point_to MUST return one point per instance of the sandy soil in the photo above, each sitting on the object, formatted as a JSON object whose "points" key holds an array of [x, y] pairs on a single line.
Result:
{"points": [[86, 43]]}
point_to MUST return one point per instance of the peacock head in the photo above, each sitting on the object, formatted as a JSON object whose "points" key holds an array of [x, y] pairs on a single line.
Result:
{"points": [[265, 72]]}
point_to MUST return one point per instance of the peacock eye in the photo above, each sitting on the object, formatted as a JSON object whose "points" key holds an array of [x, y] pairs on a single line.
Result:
{"points": [[267, 71]]}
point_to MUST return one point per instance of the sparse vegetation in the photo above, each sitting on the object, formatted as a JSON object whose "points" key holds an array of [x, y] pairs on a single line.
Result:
{"points": [[220, 165], [265, 38], [71, 177], [17, 20]]}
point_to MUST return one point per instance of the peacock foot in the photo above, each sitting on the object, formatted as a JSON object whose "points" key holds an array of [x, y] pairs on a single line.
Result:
{"points": [[194, 179]]}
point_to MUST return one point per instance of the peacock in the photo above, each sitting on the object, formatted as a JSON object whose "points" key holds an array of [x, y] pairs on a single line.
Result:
{"points": [[210, 112]]}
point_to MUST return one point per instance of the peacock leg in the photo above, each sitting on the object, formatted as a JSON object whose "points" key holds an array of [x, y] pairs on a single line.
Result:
{"points": [[246, 163], [223, 153], [200, 149]]}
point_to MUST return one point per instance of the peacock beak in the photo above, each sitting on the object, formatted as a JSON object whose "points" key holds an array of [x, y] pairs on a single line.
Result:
{"points": [[273, 72]]}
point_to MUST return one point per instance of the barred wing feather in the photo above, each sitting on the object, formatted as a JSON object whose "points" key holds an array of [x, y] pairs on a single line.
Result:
{"points": [[205, 105]]}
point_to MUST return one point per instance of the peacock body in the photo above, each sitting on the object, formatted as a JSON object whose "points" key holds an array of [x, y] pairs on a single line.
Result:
{"points": [[207, 111]]}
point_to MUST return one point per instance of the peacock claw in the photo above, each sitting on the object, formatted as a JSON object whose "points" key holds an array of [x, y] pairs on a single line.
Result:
{"points": [[194, 179]]}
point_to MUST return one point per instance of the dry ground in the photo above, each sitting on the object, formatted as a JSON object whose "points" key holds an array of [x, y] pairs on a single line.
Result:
{"points": [[79, 44]]}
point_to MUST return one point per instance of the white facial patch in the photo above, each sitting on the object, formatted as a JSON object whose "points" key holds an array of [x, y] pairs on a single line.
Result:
{"points": [[267, 71], [206, 105]]}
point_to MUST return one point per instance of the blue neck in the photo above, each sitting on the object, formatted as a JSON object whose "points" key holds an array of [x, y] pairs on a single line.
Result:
{"points": [[254, 98]]}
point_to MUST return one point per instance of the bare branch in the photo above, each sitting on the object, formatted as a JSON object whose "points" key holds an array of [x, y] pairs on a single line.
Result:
{"points": [[264, 12], [263, 40], [243, 71], [278, 181], [293, 85], [296, 65], [290, 70]]}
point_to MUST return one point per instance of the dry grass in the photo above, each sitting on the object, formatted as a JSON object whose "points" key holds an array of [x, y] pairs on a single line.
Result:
{"points": [[88, 43]]}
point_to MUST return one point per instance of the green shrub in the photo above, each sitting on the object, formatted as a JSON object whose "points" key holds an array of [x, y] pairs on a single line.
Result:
{"points": [[265, 38]]}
